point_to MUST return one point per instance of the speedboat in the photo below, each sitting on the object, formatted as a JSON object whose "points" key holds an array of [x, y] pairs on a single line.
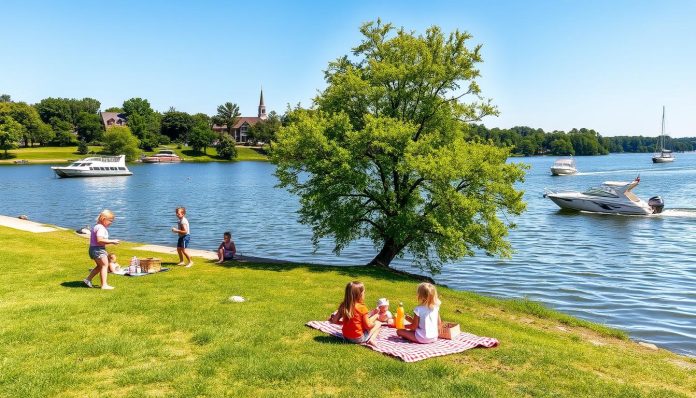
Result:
{"points": [[611, 197], [102, 166], [163, 156], [564, 167]]}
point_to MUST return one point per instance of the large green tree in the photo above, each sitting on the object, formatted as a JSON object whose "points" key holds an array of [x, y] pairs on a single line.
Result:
{"points": [[177, 125], [227, 115], [385, 153], [89, 127], [137, 105], [10, 132]]}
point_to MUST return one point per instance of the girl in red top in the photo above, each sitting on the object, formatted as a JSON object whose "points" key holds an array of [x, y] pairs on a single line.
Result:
{"points": [[358, 326]]}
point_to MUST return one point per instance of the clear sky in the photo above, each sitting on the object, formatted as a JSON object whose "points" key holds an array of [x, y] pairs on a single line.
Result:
{"points": [[606, 65]]}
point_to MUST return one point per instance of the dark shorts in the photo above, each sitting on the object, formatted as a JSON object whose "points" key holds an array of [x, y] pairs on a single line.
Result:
{"points": [[183, 241], [97, 251], [228, 255]]}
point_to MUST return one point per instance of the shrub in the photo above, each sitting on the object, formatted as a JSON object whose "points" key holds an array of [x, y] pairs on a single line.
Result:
{"points": [[225, 147]]}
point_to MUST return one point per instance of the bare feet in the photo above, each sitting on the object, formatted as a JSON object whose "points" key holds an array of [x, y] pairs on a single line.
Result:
{"points": [[219, 262], [107, 287], [181, 263], [189, 265], [87, 282]]}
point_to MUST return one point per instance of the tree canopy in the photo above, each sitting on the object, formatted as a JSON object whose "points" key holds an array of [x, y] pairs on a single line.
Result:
{"points": [[227, 115], [120, 141], [385, 153]]}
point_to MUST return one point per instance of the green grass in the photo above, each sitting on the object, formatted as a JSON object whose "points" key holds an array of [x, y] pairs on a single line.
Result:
{"points": [[243, 153], [45, 154], [176, 334], [65, 154]]}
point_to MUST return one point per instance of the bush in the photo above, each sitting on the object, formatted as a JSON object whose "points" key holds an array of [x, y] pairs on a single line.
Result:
{"points": [[225, 147], [82, 148], [120, 141]]}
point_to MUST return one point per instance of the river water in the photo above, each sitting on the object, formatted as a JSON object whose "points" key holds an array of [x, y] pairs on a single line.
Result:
{"points": [[634, 273]]}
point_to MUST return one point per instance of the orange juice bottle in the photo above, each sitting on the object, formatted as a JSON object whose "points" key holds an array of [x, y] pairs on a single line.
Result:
{"points": [[399, 321]]}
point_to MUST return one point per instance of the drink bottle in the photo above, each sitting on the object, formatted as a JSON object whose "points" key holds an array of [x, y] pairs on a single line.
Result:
{"points": [[399, 321]]}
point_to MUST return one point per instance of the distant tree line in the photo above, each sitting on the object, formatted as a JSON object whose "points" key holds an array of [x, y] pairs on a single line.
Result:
{"points": [[528, 141], [70, 122]]}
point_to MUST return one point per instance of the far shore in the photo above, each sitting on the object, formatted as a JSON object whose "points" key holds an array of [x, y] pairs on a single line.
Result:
{"points": [[59, 155]]}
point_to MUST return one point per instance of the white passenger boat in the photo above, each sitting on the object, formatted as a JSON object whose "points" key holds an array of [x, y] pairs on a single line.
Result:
{"points": [[102, 166], [564, 167], [663, 155], [611, 197]]}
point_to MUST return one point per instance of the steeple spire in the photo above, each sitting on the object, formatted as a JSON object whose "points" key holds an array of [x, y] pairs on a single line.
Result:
{"points": [[262, 107]]}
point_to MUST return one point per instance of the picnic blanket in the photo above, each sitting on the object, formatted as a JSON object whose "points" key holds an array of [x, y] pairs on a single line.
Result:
{"points": [[144, 273], [391, 344]]}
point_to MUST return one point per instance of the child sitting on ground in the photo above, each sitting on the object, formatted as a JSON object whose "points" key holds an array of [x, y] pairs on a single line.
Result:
{"points": [[425, 322], [227, 249], [358, 326], [114, 268], [383, 314]]}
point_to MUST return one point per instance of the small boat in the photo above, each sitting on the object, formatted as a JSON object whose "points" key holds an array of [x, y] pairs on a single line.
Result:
{"points": [[163, 156], [564, 167], [611, 197], [102, 166], [663, 155]]}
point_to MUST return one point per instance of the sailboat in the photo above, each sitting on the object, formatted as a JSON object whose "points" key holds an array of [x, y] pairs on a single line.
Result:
{"points": [[664, 155]]}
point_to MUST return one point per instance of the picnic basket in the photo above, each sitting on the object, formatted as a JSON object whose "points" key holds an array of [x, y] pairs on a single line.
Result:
{"points": [[150, 264], [449, 330]]}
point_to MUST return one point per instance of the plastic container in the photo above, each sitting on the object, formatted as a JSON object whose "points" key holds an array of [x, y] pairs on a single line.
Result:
{"points": [[399, 321]]}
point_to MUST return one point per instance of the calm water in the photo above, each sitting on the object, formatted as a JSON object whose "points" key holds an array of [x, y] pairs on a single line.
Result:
{"points": [[634, 273]]}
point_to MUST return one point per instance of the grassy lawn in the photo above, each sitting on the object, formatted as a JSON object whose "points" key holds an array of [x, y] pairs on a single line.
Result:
{"points": [[45, 154], [64, 154], [243, 153], [176, 334]]}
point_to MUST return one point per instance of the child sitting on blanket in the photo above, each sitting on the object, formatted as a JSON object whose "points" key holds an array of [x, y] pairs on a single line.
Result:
{"points": [[425, 322], [358, 326], [114, 268], [383, 314]]}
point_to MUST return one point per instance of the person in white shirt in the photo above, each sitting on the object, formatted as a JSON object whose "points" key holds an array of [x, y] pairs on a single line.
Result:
{"points": [[184, 232], [425, 322]]}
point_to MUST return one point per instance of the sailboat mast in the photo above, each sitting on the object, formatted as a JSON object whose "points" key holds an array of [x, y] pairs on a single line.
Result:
{"points": [[663, 128]]}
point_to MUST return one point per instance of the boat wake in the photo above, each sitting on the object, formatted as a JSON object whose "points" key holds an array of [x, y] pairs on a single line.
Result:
{"points": [[638, 171], [685, 213]]}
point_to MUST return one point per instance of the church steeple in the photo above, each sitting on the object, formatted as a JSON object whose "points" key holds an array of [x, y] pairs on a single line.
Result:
{"points": [[262, 108]]}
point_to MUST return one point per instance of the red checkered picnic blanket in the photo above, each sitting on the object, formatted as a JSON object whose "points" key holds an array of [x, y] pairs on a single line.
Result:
{"points": [[391, 344]]}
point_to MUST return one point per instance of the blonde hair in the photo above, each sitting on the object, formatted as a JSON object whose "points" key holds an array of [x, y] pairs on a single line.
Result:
{"points": [[111, 256], [183, 210], [427, 295], [106, 213], [352, 296]]}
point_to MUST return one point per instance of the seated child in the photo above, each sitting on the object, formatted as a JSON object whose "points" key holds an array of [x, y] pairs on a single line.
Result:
{"points": [[226, 250], [357, 325], [425, 322], [383, 314], [114, 268]]}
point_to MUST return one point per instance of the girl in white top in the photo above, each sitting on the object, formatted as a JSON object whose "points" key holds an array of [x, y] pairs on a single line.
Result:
{"points": [[425, 322]]}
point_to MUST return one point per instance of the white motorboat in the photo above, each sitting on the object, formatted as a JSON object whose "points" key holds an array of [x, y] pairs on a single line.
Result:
{"points": [[663, 155], [163, 156], [564, 167], [611, 197], [102, 166]]}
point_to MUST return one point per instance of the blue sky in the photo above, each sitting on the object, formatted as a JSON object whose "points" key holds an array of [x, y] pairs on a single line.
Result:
{"points": [[606, 65]]}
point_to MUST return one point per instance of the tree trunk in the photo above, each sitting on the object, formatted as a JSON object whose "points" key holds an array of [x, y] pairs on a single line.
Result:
{"points": [[386, 255]]}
